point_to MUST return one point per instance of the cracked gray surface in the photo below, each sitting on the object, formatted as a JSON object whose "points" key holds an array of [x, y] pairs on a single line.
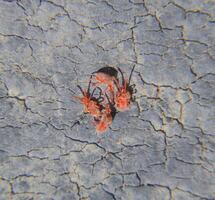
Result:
{"points": [[163, 148]]}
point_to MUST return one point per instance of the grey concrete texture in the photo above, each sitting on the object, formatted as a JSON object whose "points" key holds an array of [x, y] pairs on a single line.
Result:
{"points": [[163, 148]]}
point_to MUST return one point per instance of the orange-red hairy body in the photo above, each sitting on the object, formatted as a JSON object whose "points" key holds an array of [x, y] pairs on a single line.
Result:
{"points": [[123, 98], [102, 78], [90, 106], [104, 121]]}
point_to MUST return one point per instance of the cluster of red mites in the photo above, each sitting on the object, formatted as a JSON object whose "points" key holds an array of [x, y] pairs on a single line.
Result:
{"points": [[114, 96]]}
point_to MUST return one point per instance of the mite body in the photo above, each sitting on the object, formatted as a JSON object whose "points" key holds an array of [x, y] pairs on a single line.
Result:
{"points": [[123, 97], [106, 76], [106, 118], [91, 104]]}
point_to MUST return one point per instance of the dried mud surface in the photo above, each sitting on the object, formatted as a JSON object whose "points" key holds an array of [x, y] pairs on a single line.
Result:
{"points": [[162, 149]]}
